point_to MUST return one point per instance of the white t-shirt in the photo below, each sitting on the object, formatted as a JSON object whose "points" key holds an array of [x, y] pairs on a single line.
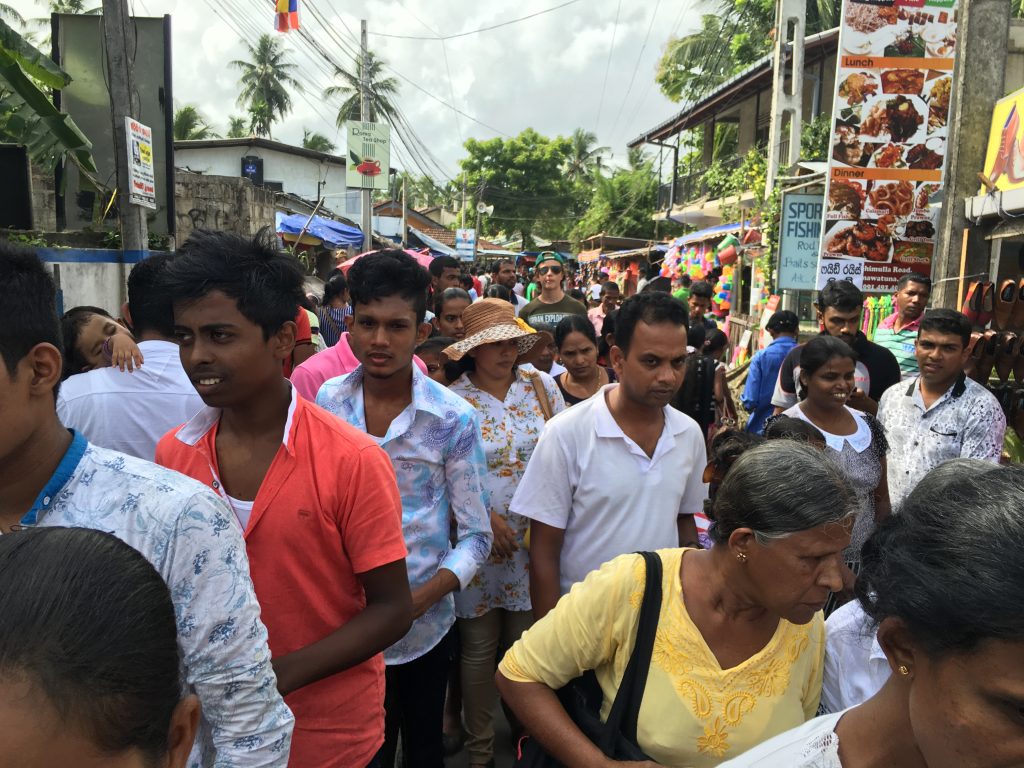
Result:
{"points": [[242, 509], [811, 745], [592, 481], [126, 411], [855, 665], [595, 292]]}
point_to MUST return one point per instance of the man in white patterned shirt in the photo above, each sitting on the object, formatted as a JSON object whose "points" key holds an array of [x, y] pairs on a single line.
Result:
{"points": [[941, 414], [52, 476]]}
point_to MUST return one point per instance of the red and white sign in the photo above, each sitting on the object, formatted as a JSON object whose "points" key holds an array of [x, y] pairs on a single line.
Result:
{"points": [[141, 181]]}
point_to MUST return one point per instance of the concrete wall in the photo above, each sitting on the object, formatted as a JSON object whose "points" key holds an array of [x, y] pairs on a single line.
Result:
{"points": [[44, 200], [1015, 57], [220, 202], [297, 175], [98, 285]]}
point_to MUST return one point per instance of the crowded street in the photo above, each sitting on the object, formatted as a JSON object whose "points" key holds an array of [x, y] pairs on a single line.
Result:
{"points": [[702, 449]]}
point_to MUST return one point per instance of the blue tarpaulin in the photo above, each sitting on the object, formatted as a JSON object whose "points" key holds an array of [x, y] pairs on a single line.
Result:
{"points": [[333, 233], [711, 232]]}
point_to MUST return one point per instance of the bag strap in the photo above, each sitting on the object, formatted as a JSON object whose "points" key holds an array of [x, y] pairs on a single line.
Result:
{"points": [[625, 709], [542, 396]]}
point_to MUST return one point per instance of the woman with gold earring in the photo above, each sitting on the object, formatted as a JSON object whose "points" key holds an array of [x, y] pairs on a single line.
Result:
{"points": [[943, 589]]}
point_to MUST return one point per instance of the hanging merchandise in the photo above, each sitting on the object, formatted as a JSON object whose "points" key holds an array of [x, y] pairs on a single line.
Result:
{"points": [[727, 251]]}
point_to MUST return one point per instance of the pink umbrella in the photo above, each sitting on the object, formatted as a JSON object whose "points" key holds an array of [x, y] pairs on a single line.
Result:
{"points": [[423, 258]]}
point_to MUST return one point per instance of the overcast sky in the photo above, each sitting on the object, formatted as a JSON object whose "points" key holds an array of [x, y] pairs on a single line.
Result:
{"points": [[546, 72]]}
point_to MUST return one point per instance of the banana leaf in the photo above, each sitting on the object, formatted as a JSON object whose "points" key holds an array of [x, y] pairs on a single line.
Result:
{"points": [[28, 117], [35, 63]]}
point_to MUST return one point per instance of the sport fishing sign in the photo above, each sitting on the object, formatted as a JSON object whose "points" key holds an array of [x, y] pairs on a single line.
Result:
{"points": [[890, 123], [369, 155]]}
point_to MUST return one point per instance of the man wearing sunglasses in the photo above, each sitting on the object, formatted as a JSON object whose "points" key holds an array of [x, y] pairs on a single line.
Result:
{"points": [[552, 304]]}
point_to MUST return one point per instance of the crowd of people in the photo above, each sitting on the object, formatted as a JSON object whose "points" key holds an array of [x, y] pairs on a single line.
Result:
{"points": [[244, 526]]}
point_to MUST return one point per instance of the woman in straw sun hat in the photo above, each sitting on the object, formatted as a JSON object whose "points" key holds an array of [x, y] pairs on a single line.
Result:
{"points": [[514, 401]]}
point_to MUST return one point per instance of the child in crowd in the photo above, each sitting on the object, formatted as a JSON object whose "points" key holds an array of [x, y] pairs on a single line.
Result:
{"points": [[430, 353], [94, 339], [787, 428]]}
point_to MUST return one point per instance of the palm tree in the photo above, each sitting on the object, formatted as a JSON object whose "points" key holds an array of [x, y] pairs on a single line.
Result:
{"points": [[317, 141], [190, 125], [10, 12], [238, 127], [266, 80], [584, 158], [260, 119], [382, 89]]}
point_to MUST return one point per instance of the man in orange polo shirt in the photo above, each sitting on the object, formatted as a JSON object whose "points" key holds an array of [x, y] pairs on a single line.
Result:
{"points": [[317, 499]]}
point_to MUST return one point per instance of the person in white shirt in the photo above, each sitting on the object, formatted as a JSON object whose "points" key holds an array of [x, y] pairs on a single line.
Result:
{"points": [[129, 411], [622, 471], [942, 582], [855, 664], [52, 476]]}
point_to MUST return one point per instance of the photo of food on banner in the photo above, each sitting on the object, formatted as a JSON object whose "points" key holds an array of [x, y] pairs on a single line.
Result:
{"points": [[889, 136]]}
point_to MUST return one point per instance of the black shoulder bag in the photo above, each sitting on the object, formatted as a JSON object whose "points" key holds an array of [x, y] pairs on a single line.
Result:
{"points": [[582, 697]]}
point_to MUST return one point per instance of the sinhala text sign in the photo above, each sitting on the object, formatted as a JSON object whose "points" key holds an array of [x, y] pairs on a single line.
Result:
{"points": [[141, 178], [889, 132], [369, 155]]}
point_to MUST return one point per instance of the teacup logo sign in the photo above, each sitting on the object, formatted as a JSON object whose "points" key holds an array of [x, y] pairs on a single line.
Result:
{"points": [[365, 167], [368, 155]]}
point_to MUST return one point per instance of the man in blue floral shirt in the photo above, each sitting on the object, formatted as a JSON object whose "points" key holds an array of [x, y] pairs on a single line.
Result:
{"points": [[52, 476], [434, 441]]}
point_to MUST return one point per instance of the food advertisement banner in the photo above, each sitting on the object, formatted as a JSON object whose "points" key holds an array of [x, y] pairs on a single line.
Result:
{"points": [[889, 128]]}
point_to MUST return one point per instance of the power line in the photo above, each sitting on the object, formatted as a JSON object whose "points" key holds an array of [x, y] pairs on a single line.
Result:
{"points": [[477, 31], [636, 67], [608, 66]]}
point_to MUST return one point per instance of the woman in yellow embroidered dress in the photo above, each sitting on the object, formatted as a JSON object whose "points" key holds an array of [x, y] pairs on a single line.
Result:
{"points": [[740, 642]]}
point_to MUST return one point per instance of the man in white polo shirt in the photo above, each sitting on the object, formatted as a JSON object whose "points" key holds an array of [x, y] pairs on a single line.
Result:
{"points": [[129, 411], [622, 471]]}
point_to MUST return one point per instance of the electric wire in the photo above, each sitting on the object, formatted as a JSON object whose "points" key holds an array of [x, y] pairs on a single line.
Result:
{"points": [[608, 66], [481, 29]]}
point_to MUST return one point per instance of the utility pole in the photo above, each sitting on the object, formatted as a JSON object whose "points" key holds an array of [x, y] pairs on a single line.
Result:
{"points": [[119, 38], [405, 208], [790, 28], [978, 82], [366, 204]]}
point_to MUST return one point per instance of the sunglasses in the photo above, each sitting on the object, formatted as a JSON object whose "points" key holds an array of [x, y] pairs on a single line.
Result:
{"points": [[554, 270]]}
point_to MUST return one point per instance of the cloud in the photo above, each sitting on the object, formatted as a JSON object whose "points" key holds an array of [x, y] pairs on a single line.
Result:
{"points": [[546, 72]]}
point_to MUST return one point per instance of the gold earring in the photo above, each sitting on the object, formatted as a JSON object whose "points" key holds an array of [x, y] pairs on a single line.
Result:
{"points": [[741, 557], [903, 669]]}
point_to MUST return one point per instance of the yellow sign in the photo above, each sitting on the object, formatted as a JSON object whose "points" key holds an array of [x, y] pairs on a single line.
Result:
{"points": [[1004, 161]]}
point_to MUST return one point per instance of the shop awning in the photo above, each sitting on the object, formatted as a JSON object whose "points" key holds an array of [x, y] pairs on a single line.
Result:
{"points": [[712, 233], [586, 257], [333, 234], [432, 244]]}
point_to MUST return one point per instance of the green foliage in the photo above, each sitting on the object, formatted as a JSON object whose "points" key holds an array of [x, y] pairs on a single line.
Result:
{"points": [[266, 80], [423, 192], [317, 141], [27, 116], [622, 204], [238, 127], [728, 42], [190, 125], [524, 178], [815, 138], [585, 159], [383, 91]]}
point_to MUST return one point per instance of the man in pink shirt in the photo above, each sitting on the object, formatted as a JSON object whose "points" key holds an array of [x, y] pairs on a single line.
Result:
{"points": [[333, 361], [316, 498], [610, 295]]}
